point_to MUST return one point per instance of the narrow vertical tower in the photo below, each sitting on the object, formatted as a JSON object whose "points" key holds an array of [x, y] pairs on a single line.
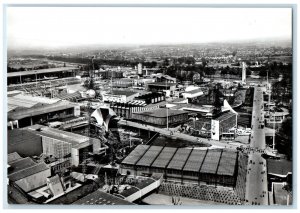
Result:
{"points": [[244, 72]]}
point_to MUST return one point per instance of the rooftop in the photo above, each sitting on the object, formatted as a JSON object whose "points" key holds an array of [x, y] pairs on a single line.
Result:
{"points": [[149, 156], [211, 162], [25, 113], [194, 91], [20, 164], [195, 160], [101, 198], [279, 167], [164, 158], [179, 159], [28, 171], [122, 92], [135, 155], [161, 112], [75, 139], [227, 163], [225, 116], [19, 136], [162, 84], [222, 162], [33, 72], [13, 157]]}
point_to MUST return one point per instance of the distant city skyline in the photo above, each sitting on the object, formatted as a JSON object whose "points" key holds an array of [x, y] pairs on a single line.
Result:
{"points": [[52, 27]]}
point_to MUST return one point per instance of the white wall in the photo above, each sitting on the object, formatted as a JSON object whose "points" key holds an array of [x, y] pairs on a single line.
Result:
{"points": [[215, 130]]}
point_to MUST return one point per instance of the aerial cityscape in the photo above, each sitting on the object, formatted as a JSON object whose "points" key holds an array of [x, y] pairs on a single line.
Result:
{"points": [[119, 112]]}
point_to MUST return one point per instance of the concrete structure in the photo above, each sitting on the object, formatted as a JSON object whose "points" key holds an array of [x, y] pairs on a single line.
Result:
{"points": [[160, 117], [222, 124], [214, 167], [140, 69], [62, 144], [103, 116], [59, 165], [244, 72], [119, 96]]}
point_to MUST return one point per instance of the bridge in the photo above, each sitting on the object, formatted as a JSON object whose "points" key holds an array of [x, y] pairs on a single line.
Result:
{"points": [[256, 178], [174, 134]]}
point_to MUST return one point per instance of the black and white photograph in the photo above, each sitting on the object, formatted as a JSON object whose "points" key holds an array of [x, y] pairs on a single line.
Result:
{"points": [[149, 105]]}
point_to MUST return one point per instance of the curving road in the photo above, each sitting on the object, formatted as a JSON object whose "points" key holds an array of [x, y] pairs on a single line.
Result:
{"points": [[256, 178]]}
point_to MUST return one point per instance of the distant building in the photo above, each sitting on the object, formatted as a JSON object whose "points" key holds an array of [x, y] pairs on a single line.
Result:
{"points": [[160, 117], [123, 83], [164, 78], [108, 74], [142, 82], [147, 102], [140, 69], [43, 74], [119, 96], [150, 98], [162, 87], [192, 93]]}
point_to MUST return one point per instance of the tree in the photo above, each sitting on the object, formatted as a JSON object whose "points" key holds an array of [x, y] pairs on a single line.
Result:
{"points": [[263, 73]]}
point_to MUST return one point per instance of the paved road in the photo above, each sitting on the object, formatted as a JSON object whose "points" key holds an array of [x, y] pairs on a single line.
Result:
{"points": [[256, 179], [179, 135]]}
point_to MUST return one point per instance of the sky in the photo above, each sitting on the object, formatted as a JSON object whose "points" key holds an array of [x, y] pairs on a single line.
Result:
{"points": [[71, 26]]}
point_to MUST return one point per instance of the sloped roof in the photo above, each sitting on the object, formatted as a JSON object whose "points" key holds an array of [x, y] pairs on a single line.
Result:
{"points": [[28, 171], [13, 157], [20, 164], [179, 159], [135, 155], [164, 157]]}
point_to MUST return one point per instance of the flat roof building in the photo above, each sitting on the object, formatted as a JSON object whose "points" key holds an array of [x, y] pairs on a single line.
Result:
{"points": [[24, 142]]}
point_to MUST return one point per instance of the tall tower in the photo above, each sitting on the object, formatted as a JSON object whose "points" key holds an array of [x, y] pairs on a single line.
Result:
{"points": [[244, 72], [140, 69]]}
